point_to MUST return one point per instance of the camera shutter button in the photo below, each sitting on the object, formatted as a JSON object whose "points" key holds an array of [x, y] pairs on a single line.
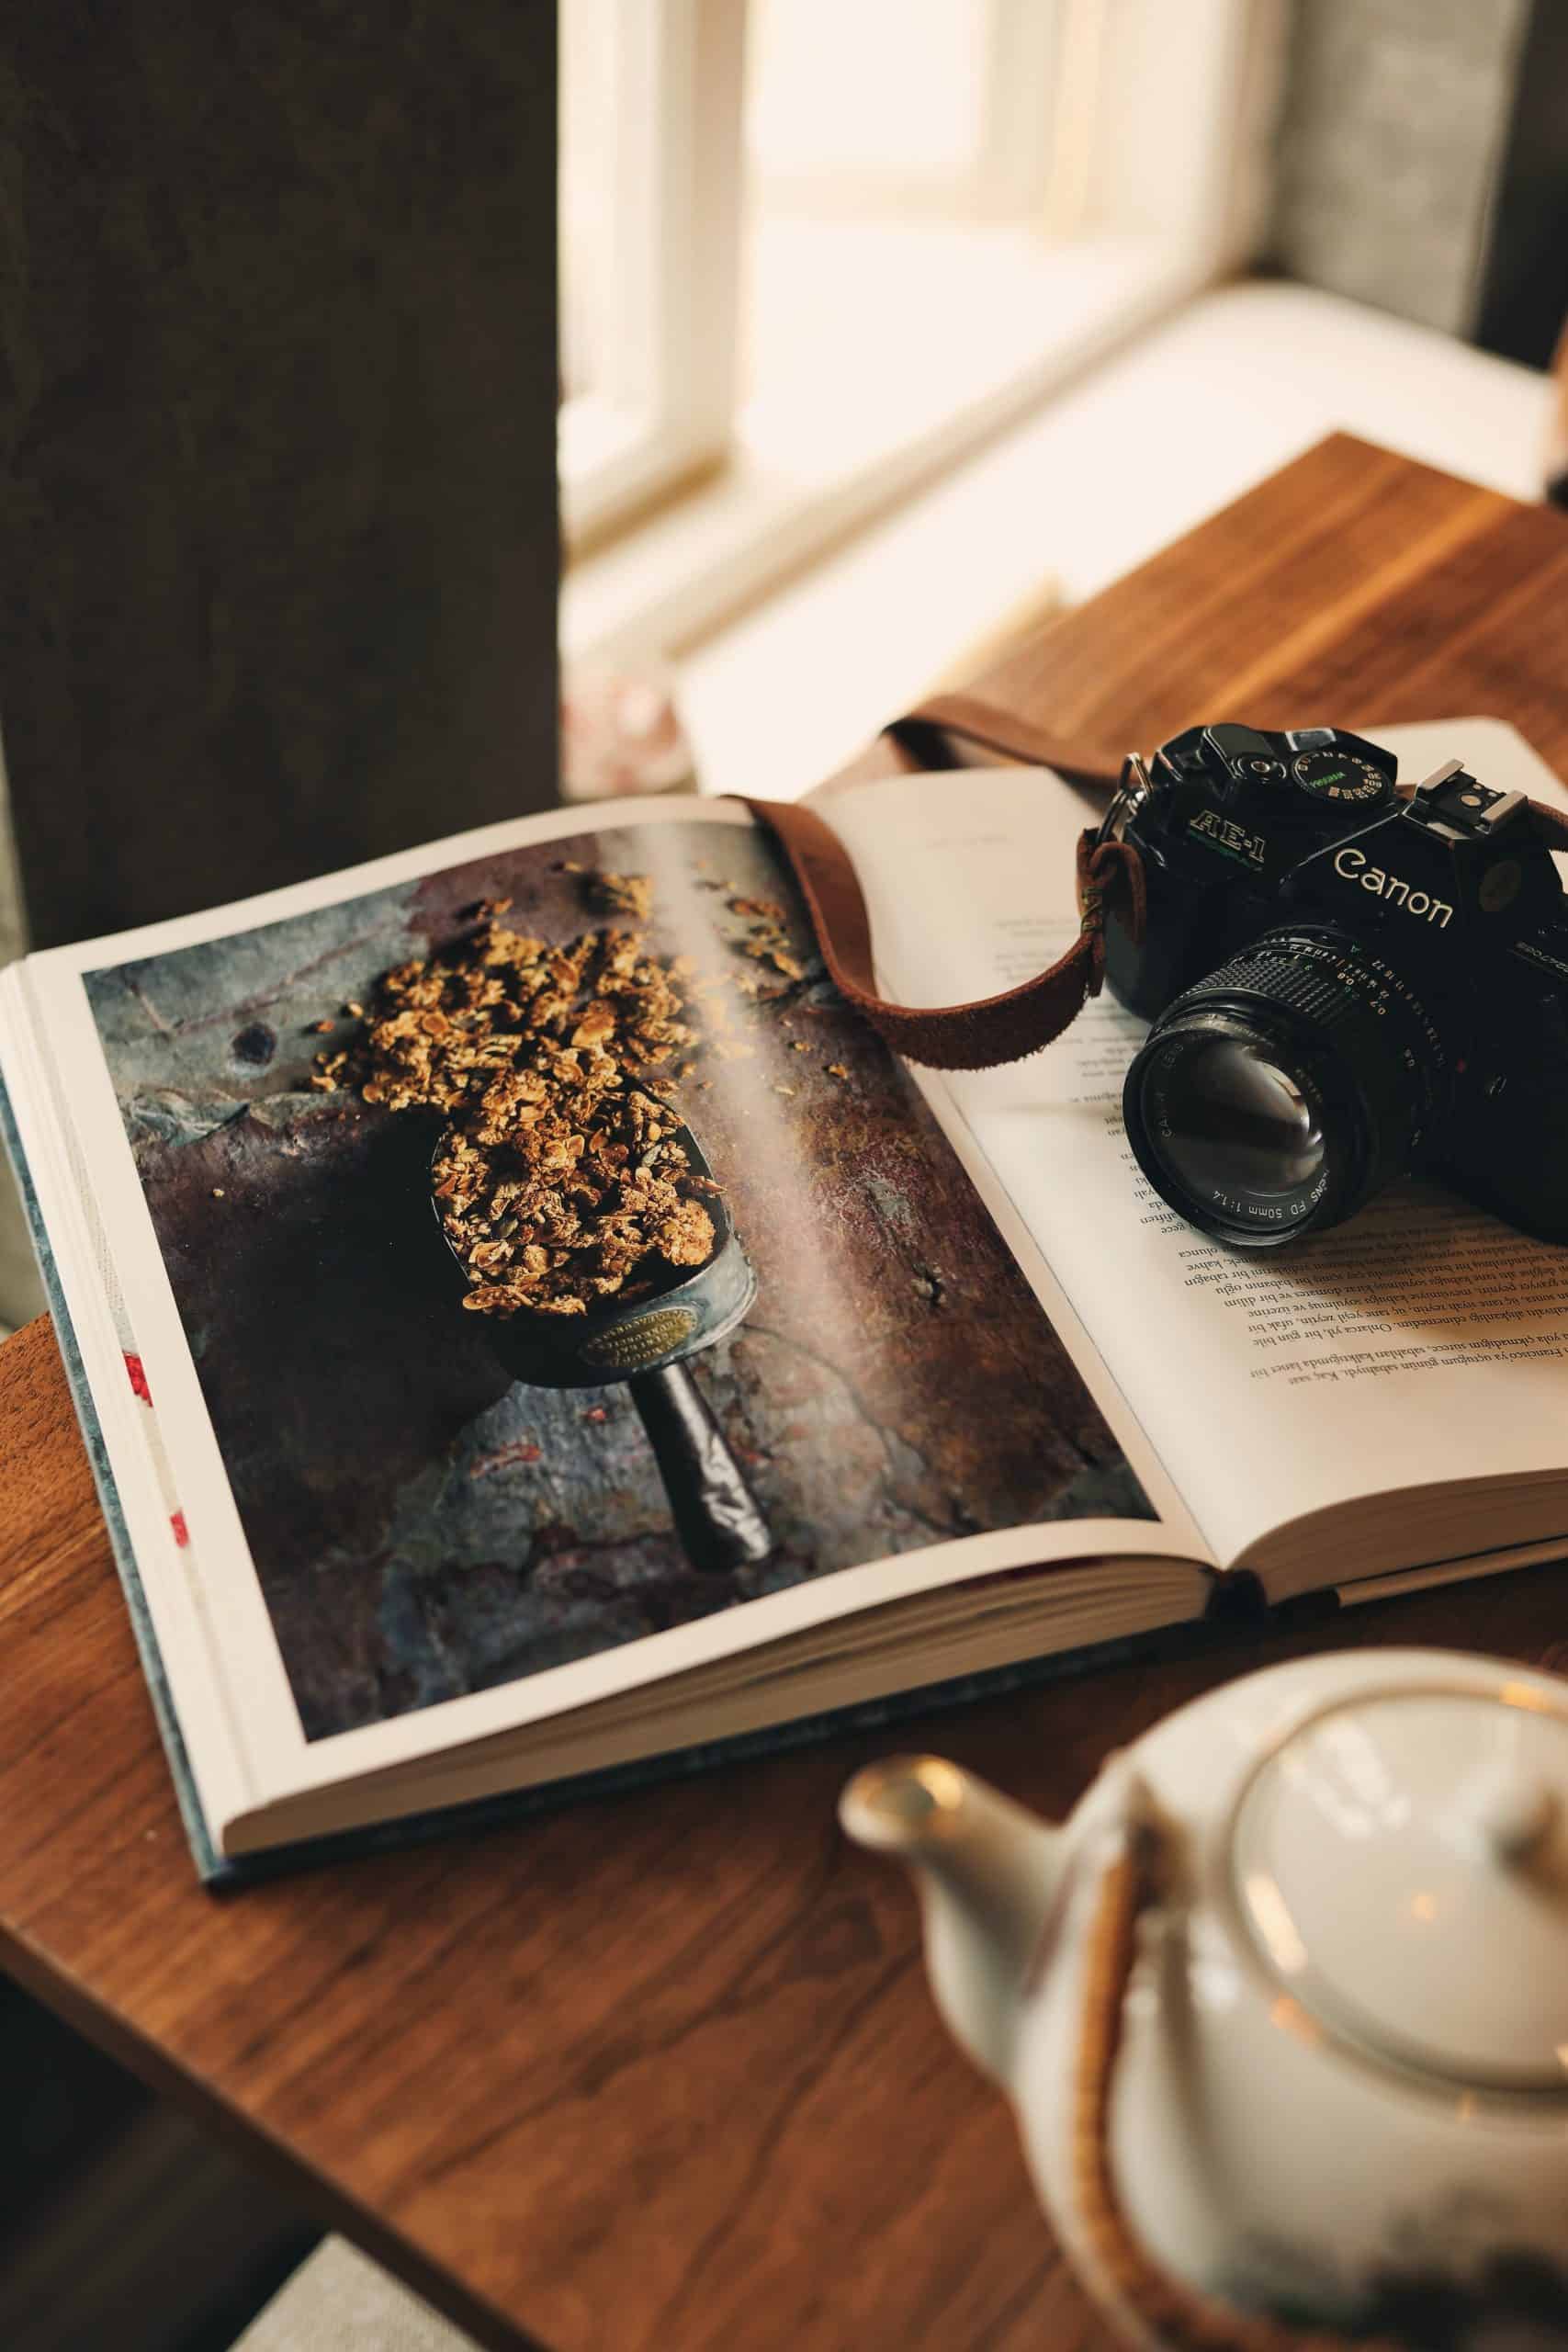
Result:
{"points": [[1266, 771]]}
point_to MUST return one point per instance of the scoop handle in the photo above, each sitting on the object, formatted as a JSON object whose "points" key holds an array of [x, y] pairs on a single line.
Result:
{"points": [[714, 1511]]}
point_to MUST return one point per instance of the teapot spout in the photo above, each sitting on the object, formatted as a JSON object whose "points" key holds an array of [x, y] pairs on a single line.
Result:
{"points": [[986, 1872]]}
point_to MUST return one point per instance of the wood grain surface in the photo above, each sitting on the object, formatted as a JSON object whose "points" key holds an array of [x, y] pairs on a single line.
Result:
{"points": [[663, 2071]]}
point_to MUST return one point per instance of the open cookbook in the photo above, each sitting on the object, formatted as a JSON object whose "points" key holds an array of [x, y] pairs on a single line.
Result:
{"points": [[526, 1325]]}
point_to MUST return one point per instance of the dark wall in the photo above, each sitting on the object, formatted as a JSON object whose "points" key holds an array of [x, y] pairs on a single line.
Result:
{"points": [[1524, 284], [277, 384]]}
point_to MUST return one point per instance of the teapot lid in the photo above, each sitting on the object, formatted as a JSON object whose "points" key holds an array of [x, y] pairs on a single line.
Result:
{"points": [[1401, 1862]]}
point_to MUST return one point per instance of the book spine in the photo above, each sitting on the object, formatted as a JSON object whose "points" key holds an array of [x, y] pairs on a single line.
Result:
{"points": [[209, 1864]]}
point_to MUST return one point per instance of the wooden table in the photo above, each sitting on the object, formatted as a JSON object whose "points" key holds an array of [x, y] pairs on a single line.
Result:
{"points": [[663, 2071]]}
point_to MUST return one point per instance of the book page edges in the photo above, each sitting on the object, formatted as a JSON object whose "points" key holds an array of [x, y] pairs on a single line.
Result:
{"points": [[658, 1720], [1412, 1580], [1442, 1531]]}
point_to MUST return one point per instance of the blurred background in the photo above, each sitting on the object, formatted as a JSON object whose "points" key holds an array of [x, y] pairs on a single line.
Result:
{"points": [[887, 323], [884, 327]]}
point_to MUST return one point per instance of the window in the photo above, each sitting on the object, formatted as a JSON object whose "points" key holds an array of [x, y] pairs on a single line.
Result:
{"points": [[650, 123], [813, 250]]}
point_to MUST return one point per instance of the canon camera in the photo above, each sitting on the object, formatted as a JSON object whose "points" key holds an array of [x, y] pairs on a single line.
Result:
{"points": [[1345, 984]]}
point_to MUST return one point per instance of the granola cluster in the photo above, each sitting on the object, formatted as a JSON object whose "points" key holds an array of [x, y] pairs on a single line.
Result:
{"points": [[766, 940], [563, 1177]]}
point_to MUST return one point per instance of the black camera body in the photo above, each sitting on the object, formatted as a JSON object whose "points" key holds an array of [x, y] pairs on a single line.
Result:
{"points": [[1345, 984]]}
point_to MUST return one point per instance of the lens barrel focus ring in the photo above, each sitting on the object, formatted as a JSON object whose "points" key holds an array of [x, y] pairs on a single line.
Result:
{"points": [[1308, 985], [1344, 1002]]}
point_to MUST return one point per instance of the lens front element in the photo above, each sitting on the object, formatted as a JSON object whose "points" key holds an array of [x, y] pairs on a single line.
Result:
{"points": [[1277, 1096], [1234, 1122]]}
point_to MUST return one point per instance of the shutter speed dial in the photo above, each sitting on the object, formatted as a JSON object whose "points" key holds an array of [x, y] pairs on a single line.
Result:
{"points": [[1337, 777]]}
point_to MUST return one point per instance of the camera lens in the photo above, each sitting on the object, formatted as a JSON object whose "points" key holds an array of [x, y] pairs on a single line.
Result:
{"points": [[1233, 1116], [1277, 1096]]}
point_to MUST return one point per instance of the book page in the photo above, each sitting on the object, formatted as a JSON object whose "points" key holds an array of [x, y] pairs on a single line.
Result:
{"points": [[1421, 1341], [385, 1524]]}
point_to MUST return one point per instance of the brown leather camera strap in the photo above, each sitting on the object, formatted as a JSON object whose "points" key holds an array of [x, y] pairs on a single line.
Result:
{"points": [[977, 720], [992, 1029], [1019, 1020]]}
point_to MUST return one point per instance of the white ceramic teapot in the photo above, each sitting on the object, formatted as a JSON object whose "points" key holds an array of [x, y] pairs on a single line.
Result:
{"points": [[1283, 2007]]}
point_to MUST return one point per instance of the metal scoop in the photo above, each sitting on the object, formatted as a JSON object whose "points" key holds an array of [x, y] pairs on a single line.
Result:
{"points": [[645, 1342]]}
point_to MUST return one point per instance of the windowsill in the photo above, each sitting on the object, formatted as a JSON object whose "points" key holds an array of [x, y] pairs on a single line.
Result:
{"points": [[1186, 418], [606, 460], [940, 339]]}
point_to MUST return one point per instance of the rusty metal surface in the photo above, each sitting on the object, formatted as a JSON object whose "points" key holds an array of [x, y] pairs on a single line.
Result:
{"points": [[421, 1527]]}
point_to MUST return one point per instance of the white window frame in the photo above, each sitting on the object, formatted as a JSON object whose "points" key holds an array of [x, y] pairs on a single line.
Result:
{"points": [[667, 411], [1154, 185]]}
